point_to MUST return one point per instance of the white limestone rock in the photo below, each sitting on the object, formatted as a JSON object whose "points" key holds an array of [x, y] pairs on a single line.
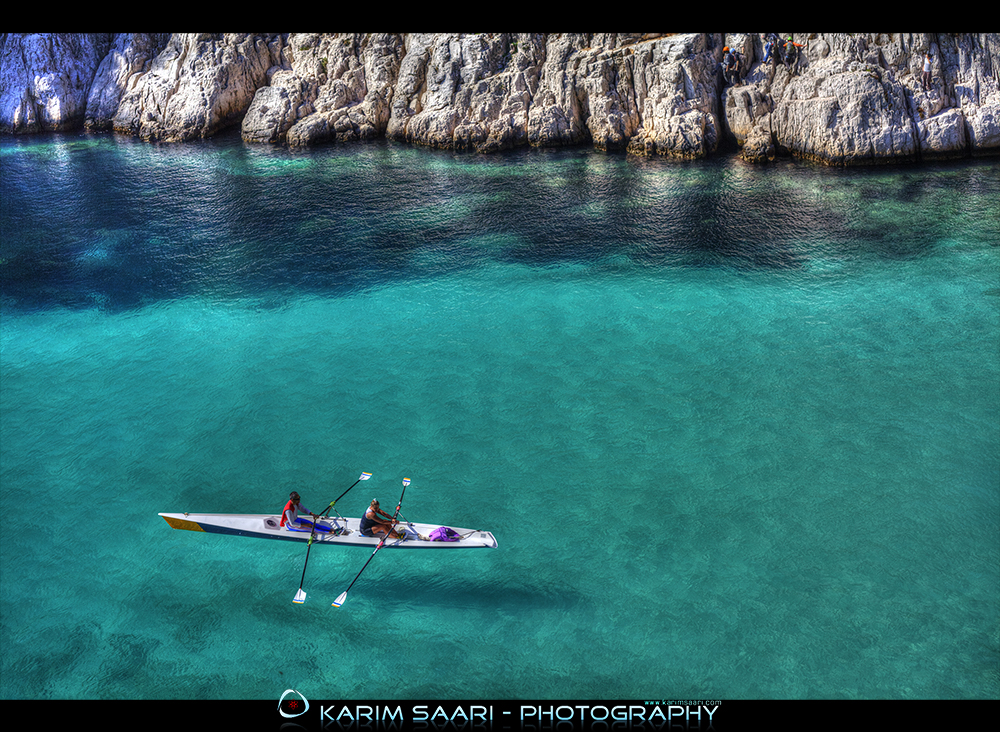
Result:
{"points": [[130, 57], [466, 91], [199, 84], [327, 87], [859, 99], [676, 94], [45, 79], [856, 98]]}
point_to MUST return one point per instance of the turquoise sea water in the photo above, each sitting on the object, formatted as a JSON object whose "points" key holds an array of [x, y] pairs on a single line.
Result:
{"points": [[735, 428]]}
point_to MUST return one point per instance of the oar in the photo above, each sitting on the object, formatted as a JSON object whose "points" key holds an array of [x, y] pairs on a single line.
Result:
{"points": [[300, 596], [343, 596], [364, 476]]}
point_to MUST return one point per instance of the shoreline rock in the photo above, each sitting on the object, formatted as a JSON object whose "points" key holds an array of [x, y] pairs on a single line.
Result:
{"points": [[856, 99]]}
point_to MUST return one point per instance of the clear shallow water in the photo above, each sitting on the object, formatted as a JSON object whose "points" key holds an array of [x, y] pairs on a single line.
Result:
{"points": [[735, 428]]}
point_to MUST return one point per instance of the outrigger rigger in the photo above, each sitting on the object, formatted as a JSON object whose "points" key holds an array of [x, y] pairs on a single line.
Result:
{"points": [[333, 530]]}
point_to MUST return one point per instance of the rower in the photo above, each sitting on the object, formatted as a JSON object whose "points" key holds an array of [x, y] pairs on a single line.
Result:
{"points": [[371, 525], [290, 515]]}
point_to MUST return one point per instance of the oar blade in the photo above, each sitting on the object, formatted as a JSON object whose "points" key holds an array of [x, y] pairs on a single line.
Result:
{"points": [[365, 476], [300, 597], [340, 600]]}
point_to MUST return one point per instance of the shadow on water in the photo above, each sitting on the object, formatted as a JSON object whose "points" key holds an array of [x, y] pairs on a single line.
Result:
{"points": [[117, 224], [429, 588]]}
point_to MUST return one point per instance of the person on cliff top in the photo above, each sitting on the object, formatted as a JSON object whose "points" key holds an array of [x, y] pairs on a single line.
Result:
{"points": [[770, 42], [792, 55], [730, 65]]}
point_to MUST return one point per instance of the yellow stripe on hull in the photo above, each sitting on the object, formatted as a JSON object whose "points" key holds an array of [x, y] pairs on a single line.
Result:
{"points": [[182, 524]]}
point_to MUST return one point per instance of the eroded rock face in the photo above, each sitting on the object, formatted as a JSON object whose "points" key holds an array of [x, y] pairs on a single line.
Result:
{"points": [[854, 98], [467, 92], [859, 99], [326, 87], [677, 79], [155, 86], [197, 85], [647, 95], [126, 64], [490, 92], [45, 79]]}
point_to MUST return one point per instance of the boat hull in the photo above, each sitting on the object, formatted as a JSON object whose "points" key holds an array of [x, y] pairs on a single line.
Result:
{"points": [[339, 531]]}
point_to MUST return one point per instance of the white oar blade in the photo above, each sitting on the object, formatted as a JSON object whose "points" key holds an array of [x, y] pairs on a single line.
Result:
{"points": [[300, 597], [406, 481], [365, 476], [340, 600]]}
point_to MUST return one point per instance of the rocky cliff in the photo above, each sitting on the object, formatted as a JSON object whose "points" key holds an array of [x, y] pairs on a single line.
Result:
{"points": [[851, 98]]}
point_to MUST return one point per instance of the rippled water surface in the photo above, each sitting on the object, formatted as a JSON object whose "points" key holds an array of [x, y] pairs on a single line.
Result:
{"points": [[735, 428]]}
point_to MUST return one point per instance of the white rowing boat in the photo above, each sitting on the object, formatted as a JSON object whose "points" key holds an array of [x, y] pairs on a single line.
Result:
{"points": [[340, 531]]}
